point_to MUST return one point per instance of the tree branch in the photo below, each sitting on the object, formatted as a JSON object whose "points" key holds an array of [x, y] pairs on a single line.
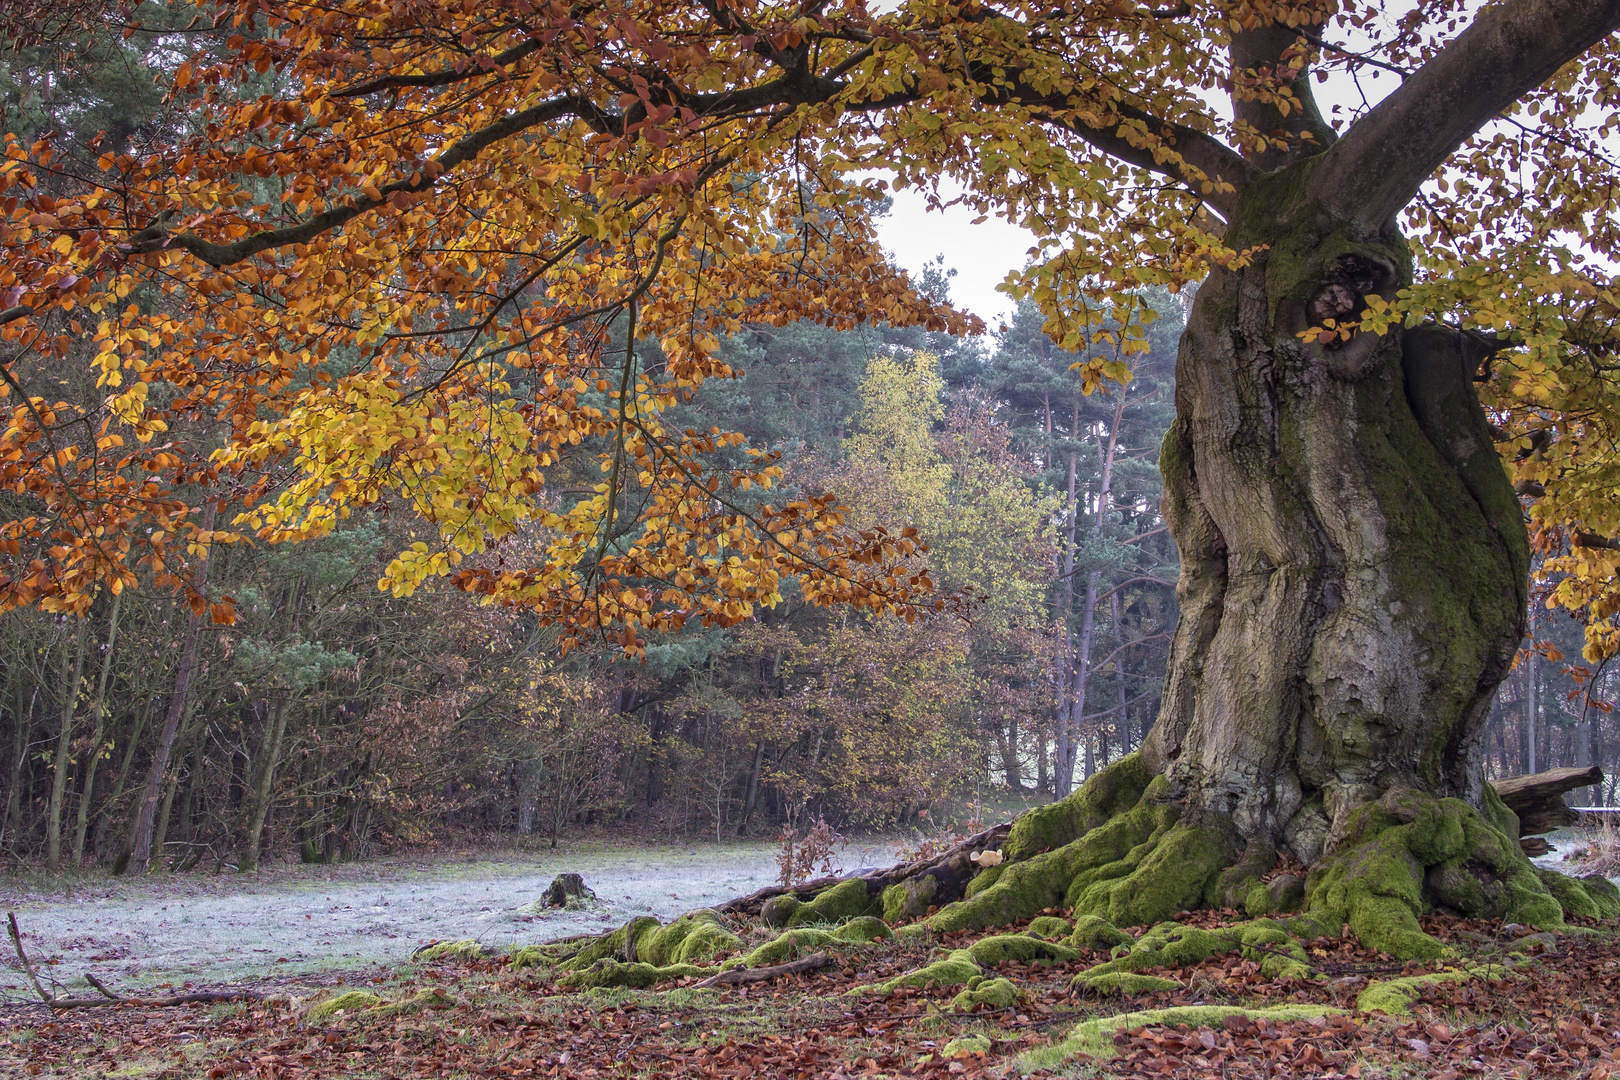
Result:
{"points": [[1203, 152], [460, 152], [1377, 167]]}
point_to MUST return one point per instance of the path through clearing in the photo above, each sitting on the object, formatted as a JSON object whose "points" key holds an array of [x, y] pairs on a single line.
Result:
{"points": [[213, 930]]}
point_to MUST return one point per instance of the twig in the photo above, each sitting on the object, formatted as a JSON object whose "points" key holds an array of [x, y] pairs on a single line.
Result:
{"points": [[27, 966], [202, 997], [110, 998], [742, 976], [95, 982]]}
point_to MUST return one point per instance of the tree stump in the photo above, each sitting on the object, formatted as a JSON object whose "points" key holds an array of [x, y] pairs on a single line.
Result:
{"points": [[565, 888], [1538, 799]]}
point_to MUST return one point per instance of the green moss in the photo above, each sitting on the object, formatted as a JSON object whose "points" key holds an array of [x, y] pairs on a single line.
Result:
{"points": [[1409, 848], [605, 973], [1503, 819], [1090, 932], [911, 898], [1395, 996], [1050, 879], [784, 947], [350, 1001], [1172, 945], [1591, 897], [1176, 874], [779, 910], [530, 956], [1049, 926], [1280, 956], [953, 970], [466, 949], [1373, 883], [864, 929], [1095, 1038], [983, 880], [609, 946], [997, 993], [846, 900], [1238, 885], [967, 1046], [1002, 947], [1602, 892], [697, 935], [1122, 982], [430, 998], [913, 933], [1107, 794]]}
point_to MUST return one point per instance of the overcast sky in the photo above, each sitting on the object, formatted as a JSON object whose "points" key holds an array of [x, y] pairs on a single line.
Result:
{"points": [[983, 254]]}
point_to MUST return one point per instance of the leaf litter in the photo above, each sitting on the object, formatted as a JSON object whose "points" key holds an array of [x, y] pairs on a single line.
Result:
{"points": [[1555, 1012]]}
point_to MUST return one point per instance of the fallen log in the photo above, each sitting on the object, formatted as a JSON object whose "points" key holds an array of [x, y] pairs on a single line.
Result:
{"points": [[1538, 799], [743, 976], [953, 868]]}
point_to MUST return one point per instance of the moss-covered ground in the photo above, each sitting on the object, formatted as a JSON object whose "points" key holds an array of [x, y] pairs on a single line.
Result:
{"points": [[1504, 1002]]}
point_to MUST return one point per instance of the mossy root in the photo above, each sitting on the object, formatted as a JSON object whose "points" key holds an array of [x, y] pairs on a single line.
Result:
{"points": [[1095, 1038]]}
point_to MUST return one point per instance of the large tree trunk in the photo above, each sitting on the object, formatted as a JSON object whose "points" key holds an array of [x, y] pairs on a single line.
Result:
{"points": [[1353, 589], [1354, 561]]}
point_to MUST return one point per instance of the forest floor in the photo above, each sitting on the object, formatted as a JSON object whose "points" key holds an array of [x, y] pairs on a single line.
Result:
{"points": [[1542, 1008]]}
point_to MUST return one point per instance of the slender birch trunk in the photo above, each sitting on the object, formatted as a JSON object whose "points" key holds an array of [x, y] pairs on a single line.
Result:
{"points": [[71, 685], [99, 711], [140, 841]]}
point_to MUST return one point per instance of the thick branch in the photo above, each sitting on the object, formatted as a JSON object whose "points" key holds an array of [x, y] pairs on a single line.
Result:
{"points": [[1509, 50], [1203, 152], [472, 69], [460, 152], [1305, 132]]}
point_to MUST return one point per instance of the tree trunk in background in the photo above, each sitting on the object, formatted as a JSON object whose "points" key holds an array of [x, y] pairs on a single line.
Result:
{"points": [[751, 794], [98, 709], [1080, 674], [140, 839], [109, 808], [1010, 764], [189, 730], [1116, 610], [19, 758], [1532, 700], [1354, 562], [1088, 613], [264, 778], [71, 685]]}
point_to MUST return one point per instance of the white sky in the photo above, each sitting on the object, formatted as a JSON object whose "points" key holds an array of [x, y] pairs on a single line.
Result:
{"points": [[984, 254]]}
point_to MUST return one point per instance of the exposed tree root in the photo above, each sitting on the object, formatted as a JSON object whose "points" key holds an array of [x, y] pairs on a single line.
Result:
{"points": [[1095, 1038], [1119, 854], [743, 976], [1397, 858]]}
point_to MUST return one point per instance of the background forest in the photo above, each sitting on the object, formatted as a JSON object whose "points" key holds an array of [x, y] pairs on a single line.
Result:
{"points": [[333, 719]]}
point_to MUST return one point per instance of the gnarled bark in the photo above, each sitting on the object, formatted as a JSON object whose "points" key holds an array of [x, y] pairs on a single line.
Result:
{"points": [[1354, 560]]}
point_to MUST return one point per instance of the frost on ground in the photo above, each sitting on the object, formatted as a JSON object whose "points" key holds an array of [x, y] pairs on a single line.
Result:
{"points": [[308, 920]]}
